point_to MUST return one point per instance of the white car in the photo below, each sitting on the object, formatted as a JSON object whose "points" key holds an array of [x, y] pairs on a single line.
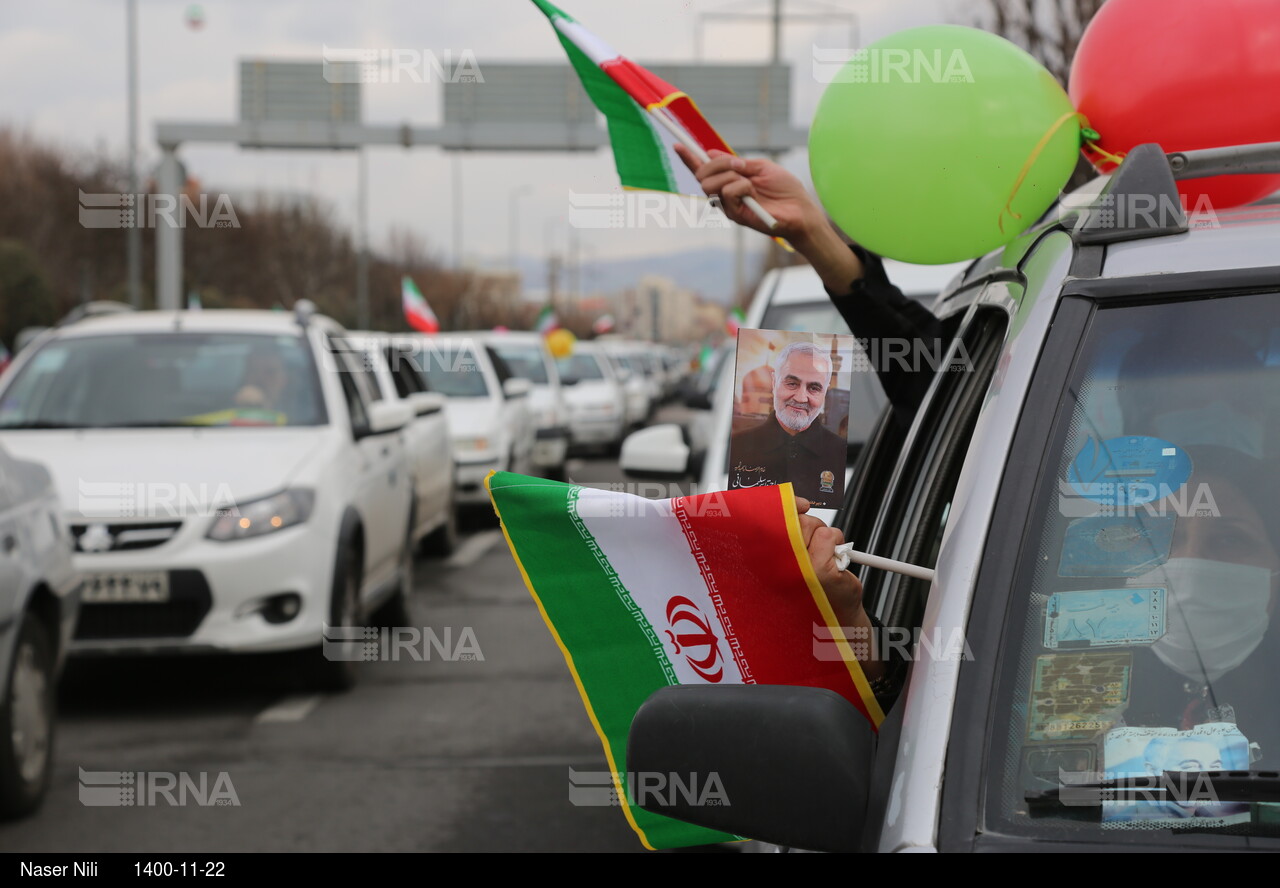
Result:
{"points": [[428, 445], [490, 419], [641, 393], [597, 402], [39, 599], [229, 478], [526, 355]]}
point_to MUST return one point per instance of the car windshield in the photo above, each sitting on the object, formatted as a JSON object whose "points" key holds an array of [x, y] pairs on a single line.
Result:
{"points": [[579, 366], [525, 361], [1138, 641], [799, 317], [150, 380], [451, 368]]}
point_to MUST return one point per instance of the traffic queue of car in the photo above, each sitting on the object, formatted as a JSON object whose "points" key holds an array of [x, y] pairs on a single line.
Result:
{"points": [[244, 481]]}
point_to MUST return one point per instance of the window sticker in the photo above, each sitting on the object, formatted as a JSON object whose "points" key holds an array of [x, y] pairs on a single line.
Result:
{"points": [[1104, 617], [1189, 802], [1115, 546], [1128, 471], [1077, 696]]}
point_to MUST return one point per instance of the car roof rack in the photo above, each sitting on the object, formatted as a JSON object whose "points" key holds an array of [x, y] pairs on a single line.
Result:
{"points": [[1141, 199]]}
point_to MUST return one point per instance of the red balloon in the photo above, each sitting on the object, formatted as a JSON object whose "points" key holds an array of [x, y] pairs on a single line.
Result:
{"points": [[1184, 74]]}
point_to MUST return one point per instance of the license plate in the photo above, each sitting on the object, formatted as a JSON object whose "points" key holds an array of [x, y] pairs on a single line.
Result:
{"points": [[145, 587]]}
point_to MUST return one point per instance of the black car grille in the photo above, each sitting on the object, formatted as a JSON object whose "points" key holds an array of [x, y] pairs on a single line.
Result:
{"points": [[189, 601]]}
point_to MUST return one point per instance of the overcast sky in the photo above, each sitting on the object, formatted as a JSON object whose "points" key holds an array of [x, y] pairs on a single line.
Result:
{"points": [[63, 63]]}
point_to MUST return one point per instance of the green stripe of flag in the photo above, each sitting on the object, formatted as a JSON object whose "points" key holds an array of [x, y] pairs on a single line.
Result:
{"points": [[596, 621], [638, 152]]}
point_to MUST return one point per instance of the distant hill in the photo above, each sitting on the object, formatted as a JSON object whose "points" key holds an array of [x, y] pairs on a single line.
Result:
{"points": [[707, 271]]}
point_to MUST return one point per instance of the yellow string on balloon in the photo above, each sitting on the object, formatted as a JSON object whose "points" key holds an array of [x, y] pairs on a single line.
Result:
{"points": [[1117, 159], [1031, 160]]}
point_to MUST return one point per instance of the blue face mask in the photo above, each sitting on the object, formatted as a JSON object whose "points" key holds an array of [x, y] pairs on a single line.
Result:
{"points": [[1217, 423]]}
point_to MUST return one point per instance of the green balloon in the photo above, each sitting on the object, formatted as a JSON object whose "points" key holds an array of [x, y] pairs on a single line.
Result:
{"points": [[941, 143]]}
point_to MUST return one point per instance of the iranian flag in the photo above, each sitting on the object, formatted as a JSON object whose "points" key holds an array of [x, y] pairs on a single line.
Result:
{"points": [[640, 594], [632, 100], [546, 321], [733, 322], [416, 311]]}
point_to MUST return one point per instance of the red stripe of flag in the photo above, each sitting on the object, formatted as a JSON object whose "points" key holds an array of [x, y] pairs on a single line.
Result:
{"points": [[751, 586], [651, 91]]}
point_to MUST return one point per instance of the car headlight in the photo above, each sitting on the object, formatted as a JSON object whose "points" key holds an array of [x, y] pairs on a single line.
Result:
{"points": [[264, 516], [470, 445]]}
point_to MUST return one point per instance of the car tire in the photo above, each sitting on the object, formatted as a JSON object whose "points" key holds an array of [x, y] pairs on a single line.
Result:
{"points": [[27, 721], [334, 665], [395, 611], [443, 541]]}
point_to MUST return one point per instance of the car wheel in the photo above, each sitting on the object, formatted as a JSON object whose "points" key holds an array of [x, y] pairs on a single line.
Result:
{"points": [[443, 541], [395, 612], [336, 667], [27, 722]]}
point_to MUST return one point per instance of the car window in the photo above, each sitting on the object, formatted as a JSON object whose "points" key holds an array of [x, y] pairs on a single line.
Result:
{"points": [[451, 368], [166, 379], [524, 360], [914, 510], [1137, 642], [579, 366], [406, 379], [820, 314]]}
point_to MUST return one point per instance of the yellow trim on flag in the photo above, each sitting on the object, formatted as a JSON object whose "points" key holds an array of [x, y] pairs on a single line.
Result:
{"points": [[820, 598], [573, 670]]}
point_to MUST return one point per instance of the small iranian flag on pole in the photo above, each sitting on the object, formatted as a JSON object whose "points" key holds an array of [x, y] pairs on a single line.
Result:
{"points": [[640, 594], [416, 311], [546, 321], [645, 114]]}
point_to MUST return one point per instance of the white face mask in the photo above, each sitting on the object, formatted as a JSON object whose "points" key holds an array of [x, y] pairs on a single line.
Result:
{"points": [[1215, 615], [1216, 423]]}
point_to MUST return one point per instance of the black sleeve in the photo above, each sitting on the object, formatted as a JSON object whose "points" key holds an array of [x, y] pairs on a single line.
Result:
{"points": [[876, 310]]}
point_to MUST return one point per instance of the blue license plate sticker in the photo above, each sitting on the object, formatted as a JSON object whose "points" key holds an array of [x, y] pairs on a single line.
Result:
{"points": [[1105, 618]]}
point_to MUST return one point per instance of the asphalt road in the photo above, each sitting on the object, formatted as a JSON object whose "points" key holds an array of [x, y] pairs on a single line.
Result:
{"points": [[425, 754]]}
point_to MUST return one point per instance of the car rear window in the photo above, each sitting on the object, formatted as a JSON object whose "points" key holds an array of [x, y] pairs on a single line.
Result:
{"points": [[1139, 642]]}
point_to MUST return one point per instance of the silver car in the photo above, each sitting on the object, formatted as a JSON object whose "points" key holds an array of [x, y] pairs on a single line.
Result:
{"points": [[1098, 492], [39, 602]]}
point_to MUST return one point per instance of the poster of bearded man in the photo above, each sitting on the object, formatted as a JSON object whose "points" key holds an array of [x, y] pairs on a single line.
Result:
{"points": [[791, 413]]}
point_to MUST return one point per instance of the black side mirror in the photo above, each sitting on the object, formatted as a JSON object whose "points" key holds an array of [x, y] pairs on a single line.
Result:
{"points": [[793, 763]]}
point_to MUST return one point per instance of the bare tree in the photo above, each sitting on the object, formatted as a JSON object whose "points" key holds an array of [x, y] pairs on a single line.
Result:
{"points": [[1048, 29]]}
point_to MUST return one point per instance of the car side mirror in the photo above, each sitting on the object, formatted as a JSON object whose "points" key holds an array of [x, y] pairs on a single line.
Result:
{"points": [[516, 387], [659, 452], [388, 416], [426, 403], [792, 765]]}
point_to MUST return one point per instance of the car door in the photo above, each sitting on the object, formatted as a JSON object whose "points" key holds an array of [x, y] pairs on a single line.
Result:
{"points": [[900, 501], [515, 410], [427, 441], [379, 468]]}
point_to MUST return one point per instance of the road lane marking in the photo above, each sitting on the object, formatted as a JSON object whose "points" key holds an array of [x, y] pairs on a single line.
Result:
{"points": [[290, 709], [473, 549]]}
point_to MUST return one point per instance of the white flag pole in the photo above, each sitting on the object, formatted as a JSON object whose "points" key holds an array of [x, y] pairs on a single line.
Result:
{"points": [[846, 553], [673, 127]]}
